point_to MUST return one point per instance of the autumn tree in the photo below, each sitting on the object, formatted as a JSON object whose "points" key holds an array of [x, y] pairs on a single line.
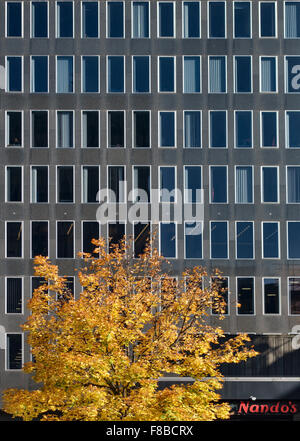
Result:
{"points": [[99, 357]]}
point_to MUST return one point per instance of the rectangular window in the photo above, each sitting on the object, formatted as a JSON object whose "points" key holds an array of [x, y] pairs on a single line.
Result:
{"points": [[269, 183], [193, 240], [141, 129], [140, 19], [191, 19], [90, 74], [116, 129], [90, 20], [90, 129], [292, 20], [168, 239], [292, 78], [39, 19], [141, 183], [244, 240], [217, 19], [292, 129], [192, 129], [39, 129], [218, 128], [14, 19], [65, 239], [39, 184], [191, 74], [167, 183], [141, 74], [243, 74], [14, 295], [267, 19], [64, 19], [67, 292], [14, 184], [64, 74], [268, 135], [270, 240], [217, 74], [39, 74], [65, 137], [218, 184], [65, 184], [115, 20], [218, 240], [39, 239], [116, 233], [166, 24], [14, 76], [142, 231], [14, 351], [115, 74], [242, 19], [245, 295], [192, 184], [14, 239], [268, 74], [36, 282], [166, 77], [167, 129], [294, 295], [243, 129], [90, 183], [271, 295], [293, 184], [14, 131], [221, 285], [90, 230], [243, 185], [293, 233], [116, 183]]}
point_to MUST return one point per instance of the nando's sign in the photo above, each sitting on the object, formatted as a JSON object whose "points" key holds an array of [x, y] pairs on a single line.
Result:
{"points": [[267, 408]]}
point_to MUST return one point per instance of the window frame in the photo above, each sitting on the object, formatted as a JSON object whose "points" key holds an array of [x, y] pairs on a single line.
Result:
{"points": [[57, 16], [290, 314], [107, 17], [159, 129], [210, 240], [210, 182], [6, 184], [235, 128], [7, 74], [133, 77], [22, 242], [185, 236], [81, 232], [73, 72], [287, 136], [286, 183], [263, 296], [22, 19], [107, 74], [262, 240], [208, 70], [149, 19], [124, 195], [31, 72], [57, 201], [261, 129], [276, 18], [262, 186], [252, 184], [31, 19], [82, 131], [133, 187], [236, 241], [174, 73], [275, 57], [287, 239], [72, 111], [182, 14], [250, 19], [234, 58], [210, 127], [284, 20], [185, 194], [7, 145], [225, 19], [74, 237], [175, 184], [48, 183], [81, 73], [228, 292], [133, 134], [176, 239], [81, 20], [82, 183], [17, 314], [254, 296], [48, 235], [158, 18], [184, 111], [199, 57], [107, 129], [6, 351], [286, 86]]}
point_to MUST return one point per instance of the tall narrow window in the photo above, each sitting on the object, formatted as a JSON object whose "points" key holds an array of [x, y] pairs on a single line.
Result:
{"points": [[140, 19], [14, 76], [192, 183], [14, 295], [116, 183], [270, 238], [90, 20], [217, 74], [243, 129], [294, 295], [269, 136], [293, 184], [90, 129], [39, 129], [14, 239], [116, 128], [65, 239], [39, 19], [141, 129], [14, 19], [218, 184], [116, 233], [90, 230], [13, 184], [90, 183], [141, 74], [242, 19], [168, 239], [192, 129], [267, 19], [115, 74], [193, 240], [191, 19], [90, 74], [293, 238], [268, 80], [39, 184], [64, 74], [269, 182], [141, 183], [115, 20], [245, 295], [244, 185], [167, 129], [166, 79], [191, 74], [217, 17], [218, 128], [65, 138], [142, 231], [65, 183], [221, 285], [14, 131], [39, 238], [243, 74], [292, 129], [166, 19], [218, 240], [292, 20], [64, 19], [14, 351], [39, 74], [271, 295], [244, 240], [167, 181]]}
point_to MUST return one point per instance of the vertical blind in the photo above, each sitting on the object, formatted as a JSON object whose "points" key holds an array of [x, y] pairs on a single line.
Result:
{"points": [[293, 184], [65, 129], [192, 129], [191, 74], [244, 185], [268, 74], [140, 22], [217, 75], [292, 20]]}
